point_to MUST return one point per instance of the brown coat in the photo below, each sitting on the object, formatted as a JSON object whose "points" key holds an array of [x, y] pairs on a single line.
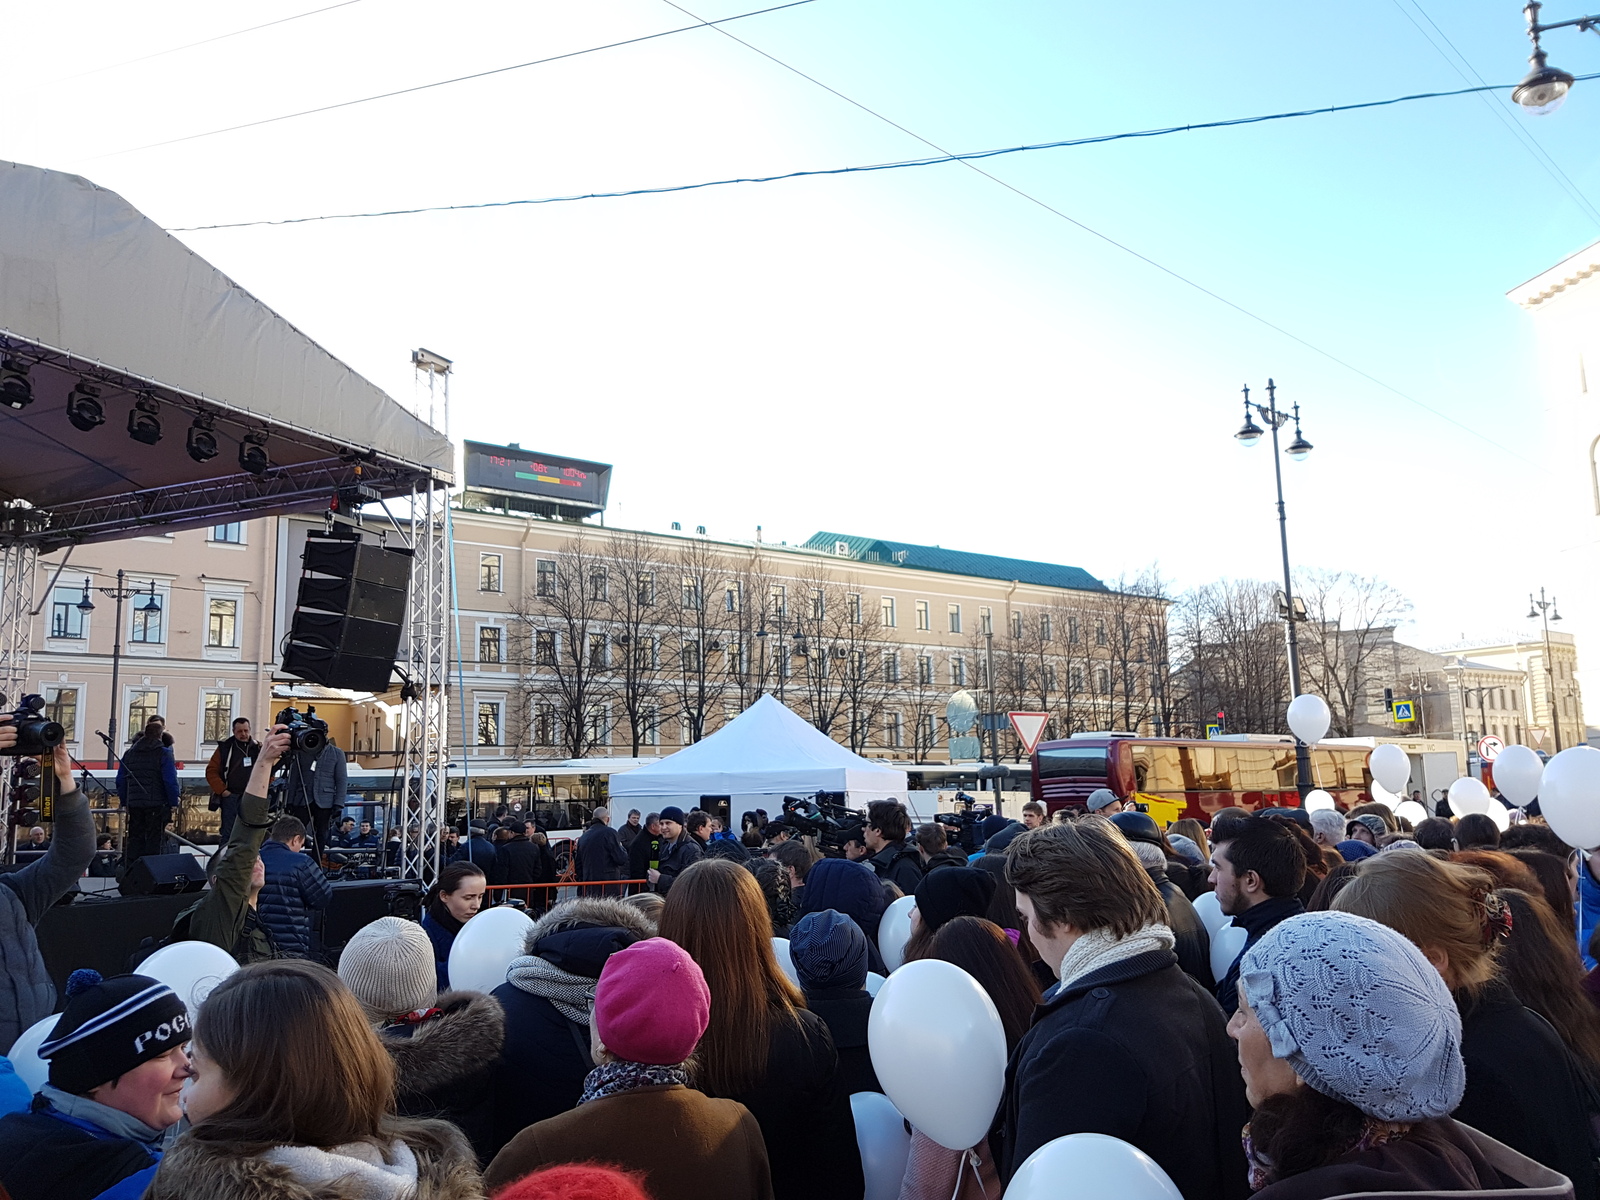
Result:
{"points": [[690, 1146]]}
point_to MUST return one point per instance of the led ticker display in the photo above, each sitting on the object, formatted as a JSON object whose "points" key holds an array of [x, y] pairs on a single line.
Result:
{"points": [[511, 469]]}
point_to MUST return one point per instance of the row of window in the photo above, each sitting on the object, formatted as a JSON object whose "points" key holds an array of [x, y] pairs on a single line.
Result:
{"points": [[547, 726], [63, 703], [147, 618]]}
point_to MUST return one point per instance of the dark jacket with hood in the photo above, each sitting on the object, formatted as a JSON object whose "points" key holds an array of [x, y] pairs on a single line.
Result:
{"points": [[443, 1064], [1141, 1052], [47, 1156], [898, 863], [852, 889], [1256, 923], [1194, 943], [295, 888], [845, 1011], [540, 1070], [148, 776]]}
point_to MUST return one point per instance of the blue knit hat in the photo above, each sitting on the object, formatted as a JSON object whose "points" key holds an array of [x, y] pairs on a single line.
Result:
{"points": [[828, 950], [1354, 851], [1359, 1014]]}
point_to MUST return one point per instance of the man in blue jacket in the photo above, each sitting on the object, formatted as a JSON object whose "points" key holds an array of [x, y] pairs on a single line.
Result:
{"points": [[295, 887], [147, 785]]}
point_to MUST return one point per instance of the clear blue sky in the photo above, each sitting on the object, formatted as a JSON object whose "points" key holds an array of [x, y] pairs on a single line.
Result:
{"points": [[920, 355]]}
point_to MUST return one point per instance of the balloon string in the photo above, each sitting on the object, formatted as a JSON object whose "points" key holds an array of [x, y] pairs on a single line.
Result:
{"points": [[969, 1157]]}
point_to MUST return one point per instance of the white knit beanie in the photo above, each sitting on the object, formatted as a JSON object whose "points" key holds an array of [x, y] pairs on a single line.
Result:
{"points": [[389, 966]]}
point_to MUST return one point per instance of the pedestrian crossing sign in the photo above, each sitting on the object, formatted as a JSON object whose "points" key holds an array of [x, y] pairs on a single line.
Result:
{"points": [[1213, 730], [1405, 710]]}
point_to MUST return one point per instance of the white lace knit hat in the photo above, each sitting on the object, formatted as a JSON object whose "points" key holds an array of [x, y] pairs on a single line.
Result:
{"points": [[388, 964], [1359, 1014]]}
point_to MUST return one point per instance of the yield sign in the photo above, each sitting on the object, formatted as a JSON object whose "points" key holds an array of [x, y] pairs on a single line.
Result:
{"points": [[1537, 735], [1029, 726]]}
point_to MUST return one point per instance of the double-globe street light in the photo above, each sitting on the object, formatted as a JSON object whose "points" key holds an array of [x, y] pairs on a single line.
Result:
{"points": [[1547, 611], [1249, 434], [86, 606]]}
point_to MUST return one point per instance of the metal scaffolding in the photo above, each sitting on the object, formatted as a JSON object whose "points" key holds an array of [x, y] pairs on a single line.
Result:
{"points": [[18, 564]]}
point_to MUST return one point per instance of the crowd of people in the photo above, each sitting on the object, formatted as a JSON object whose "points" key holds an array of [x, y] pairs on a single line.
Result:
{"points": [[1407, 1011]]}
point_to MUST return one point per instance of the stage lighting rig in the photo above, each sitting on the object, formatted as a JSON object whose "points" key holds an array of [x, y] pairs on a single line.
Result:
{"points": [[144, 420], [84, 409], [202, 439], [16, 391], [253, 453]]}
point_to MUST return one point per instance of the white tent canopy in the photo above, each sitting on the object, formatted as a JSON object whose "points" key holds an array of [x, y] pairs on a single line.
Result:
{"points": [[764, 752]]}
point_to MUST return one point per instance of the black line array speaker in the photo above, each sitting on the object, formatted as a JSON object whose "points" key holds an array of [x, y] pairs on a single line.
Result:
{"points": [[164, 875], [348, 614]]}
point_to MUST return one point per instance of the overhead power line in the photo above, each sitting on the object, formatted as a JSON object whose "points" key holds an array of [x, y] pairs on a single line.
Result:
{"points": [[439, 83]]}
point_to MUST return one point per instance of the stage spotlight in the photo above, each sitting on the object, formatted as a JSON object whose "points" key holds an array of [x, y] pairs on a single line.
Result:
{"points": [[253, 453], [202, 440], [144, 421], [84, 409], [15, 389]]}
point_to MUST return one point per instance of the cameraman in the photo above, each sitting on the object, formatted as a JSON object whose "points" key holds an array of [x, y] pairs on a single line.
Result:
{"points": [[894, 854], [314, 787]]}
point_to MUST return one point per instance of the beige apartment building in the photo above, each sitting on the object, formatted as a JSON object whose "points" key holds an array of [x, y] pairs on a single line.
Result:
{"points": [[1550, 704]]}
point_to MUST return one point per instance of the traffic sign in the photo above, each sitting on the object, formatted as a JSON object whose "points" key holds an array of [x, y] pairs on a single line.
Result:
{"points": [[1489, 747], [1405, 710], [1537, 735], [1213, 730], [1029, 727]]}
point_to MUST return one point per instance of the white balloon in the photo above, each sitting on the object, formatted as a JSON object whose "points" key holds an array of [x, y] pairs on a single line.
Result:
{"points": [[484, 948], [780, 947], [894, 930], [1090, 1166], [1317, 799], [884, 1144], [1226, 943], [1411, 811], [1470, 796], [874, 982], [948, 1085], [191, 969], [1517, 773], [1210, 910], [1391, 767], [1569, 796], [24, 1055], [1500, 815], [1309, 717]]}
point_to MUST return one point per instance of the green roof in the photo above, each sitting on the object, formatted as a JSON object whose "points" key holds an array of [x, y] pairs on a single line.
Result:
{"points": [[957, 562]]}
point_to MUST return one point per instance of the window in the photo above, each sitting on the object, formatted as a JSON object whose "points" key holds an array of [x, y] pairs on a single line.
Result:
{"points": [[924, 618], [600, 724], [924, 669], [149, 624], [691, 656], [1022, 675], [599, 587], [1016, 625], [488, 722], [819, 604], [61, 705], [887, 610], [489, 572], [647, 589], [691, 594], [731, 596], [853, 605], [544, 577], [1102, 680], [930, 731], [649, 727], [1072, 630], [490, 638], [1076, 675], [544, 725], [891, 666], [222, 623], [65, 619], [733, 661], [958, 671], [894, 734], [985, 620], [778, 600], [645, 655], [955, 618], [544, 648], [1047, 628], [142, 706], [217, 721], [1099, 633], [597, 650], [231, 534], [1049, 678]]}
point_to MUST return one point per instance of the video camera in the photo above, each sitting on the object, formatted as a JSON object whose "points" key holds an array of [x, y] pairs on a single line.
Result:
{"points": [[965, 822], [830, 822], [37, 735], [307, 731]]}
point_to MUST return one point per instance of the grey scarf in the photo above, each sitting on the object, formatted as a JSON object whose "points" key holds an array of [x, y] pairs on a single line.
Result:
{"points": [[113, 1120], [571, 994], [1100, 948]]}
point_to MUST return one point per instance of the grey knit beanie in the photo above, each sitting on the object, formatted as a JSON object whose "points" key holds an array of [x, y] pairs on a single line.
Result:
{"points": [[1359, 1014], [389, 966]]}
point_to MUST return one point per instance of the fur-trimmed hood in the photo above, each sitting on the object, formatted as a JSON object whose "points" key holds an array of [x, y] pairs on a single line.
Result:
{"points": [[590, 913], [439, 1055], [193, 1170]]}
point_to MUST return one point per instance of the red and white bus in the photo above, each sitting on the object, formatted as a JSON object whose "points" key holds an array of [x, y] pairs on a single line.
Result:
{"points": [[1196, 778]]}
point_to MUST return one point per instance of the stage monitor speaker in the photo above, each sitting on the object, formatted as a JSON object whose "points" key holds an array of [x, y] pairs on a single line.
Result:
{"points": [[350, 612], [164, 875], [359, 902]]}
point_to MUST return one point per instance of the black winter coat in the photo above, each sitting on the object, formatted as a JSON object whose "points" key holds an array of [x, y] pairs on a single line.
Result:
{"points": [[44, 1158], [1141, 1052], [600, 854], [148, 776], [295, 888], [803, 1109], [1523, 1086], [676, 858], [1256, 923], [948, 857], [899, 864], [645, 849], [443, 1065], [1194, 943], [845, 1011], [520, 861]]}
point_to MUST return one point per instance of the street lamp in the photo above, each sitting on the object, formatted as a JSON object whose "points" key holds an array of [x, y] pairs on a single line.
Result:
{"points": [[1546, 610], [1249, 434], [780, 664], [1544, 87], [119, 594]]}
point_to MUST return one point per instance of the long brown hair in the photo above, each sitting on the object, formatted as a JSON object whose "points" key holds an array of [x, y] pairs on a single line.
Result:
{"points": [[982, 949], [1554, 885], [717, 913], [1195, 832], [307, 1068], [1541, 964]]}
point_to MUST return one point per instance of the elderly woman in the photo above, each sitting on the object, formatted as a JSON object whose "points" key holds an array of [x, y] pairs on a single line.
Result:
{"points": [[1350, 1047]]}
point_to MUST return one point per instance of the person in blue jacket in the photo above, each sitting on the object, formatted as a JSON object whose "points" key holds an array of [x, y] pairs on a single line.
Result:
{"points": [[452, 902], [98, 1128], [295, 888], [147, 785]]}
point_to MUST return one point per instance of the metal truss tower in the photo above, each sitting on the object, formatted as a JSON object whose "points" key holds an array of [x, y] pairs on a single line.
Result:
{"points": [[18, 564]]}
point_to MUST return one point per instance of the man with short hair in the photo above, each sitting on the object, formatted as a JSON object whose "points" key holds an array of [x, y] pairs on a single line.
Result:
{"points": [[228, 772], [894, 854], [37, 839], [600, 855], [294, 887], [703, 828], [477, 848], [645, 853], [796, 858], [855, 844], [344, 835], [935, 849], [1125, 1044], [679, 851], [1032, 814], [630, 829], [1257, 869], [366, 837], [1103, 802], [1327, 827]]}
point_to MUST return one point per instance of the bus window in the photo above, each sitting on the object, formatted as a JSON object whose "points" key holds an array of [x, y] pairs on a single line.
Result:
{"points": [[1159, 769], [1071, 762], [1327, 769], [1255, 769], [1212, 771], [1285, 768]]}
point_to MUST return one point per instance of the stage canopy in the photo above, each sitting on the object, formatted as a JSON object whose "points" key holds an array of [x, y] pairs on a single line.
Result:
{"points": [[94, 295], [765, 752]]}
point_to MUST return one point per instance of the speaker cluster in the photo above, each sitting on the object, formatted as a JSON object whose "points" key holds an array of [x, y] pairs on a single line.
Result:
{"points": [[348, 613]]}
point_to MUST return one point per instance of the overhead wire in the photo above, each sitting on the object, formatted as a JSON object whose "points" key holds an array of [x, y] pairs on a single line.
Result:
{"points": [[439, 83]]}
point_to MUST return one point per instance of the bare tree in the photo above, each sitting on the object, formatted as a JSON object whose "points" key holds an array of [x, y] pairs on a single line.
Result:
{"points": [[1349, 618], [698, 634], [923, 702], [633, 613], [837, 639], [749, 669], [1228, 639]]}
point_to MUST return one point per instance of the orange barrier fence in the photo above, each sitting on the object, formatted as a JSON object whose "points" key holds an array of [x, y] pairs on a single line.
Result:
{"points": [[538, 895]]}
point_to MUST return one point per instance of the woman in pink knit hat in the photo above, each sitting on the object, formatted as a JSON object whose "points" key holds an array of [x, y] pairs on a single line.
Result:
{"points": [[651, 1007]]}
